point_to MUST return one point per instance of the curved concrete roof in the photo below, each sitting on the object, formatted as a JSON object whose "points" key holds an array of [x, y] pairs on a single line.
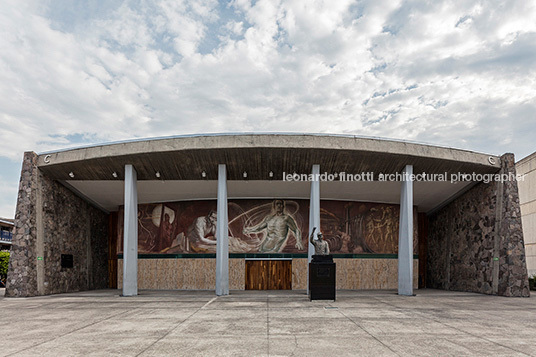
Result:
{"points": [[185, 157]]}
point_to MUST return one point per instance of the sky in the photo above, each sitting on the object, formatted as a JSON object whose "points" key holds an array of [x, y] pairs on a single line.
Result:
{"points": [[452, 73]]}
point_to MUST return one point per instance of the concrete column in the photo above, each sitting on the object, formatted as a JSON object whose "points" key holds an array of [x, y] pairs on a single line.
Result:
{"points": [[314, 214], [222, 235], [405, 234], [130, 237]]}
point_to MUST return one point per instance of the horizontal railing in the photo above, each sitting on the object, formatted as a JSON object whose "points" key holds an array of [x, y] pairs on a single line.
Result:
{"points": [[6, 236]]}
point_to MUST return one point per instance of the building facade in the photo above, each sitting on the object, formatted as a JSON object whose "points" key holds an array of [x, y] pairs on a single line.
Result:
{"points": [[6, 233], [527, 197], [234, 212]]}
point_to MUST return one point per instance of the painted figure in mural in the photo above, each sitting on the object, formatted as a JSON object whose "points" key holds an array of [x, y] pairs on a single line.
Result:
{"points": [[166, 232], [202, 233], [277, 226], [321, 246]]}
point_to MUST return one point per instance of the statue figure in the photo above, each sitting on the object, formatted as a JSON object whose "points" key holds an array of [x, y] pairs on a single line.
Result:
{"points": [[321, 246]]}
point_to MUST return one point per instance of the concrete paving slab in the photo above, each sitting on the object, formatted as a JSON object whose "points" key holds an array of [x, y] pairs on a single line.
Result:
{"points": [[246, 323], [301, 345], [445, 346], [250, 345], [334, 327], [231, 327]]}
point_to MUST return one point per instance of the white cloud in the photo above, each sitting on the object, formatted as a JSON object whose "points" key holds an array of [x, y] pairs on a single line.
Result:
{"points": [[457, 73]]}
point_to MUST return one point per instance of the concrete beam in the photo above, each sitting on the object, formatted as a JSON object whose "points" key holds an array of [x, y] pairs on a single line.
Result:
{"points": [[278, 140]]}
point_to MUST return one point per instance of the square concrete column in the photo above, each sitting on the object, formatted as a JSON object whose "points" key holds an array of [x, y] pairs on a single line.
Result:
{"points": [[405, 234], [314, 214], [130, 231], [222, 235]]}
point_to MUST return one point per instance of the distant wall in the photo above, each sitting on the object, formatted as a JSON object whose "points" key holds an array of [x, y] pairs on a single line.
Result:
{"points": [[527, 199], [475, 243], [50, 220]]}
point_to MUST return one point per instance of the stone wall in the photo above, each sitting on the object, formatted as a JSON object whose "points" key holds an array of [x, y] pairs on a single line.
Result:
{"points": [[22, 271], [73, 226], [513, 277], [51, 220], [475, 243]]}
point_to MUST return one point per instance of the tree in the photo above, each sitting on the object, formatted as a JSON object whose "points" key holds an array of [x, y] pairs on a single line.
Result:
{"points": [[4, 263]]}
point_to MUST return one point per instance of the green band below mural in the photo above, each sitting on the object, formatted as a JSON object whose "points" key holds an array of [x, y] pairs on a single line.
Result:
{"points": [[264, 256]]}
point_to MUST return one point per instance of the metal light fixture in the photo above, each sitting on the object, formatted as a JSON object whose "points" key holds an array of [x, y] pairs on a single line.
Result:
{"points": [[245, 174], [114, 174], [271, 174], [157, 174], [203, 174], [71, 174]]}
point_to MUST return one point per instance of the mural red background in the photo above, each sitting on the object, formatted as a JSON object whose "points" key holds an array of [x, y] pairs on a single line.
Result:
{"points": [[349, 227]]}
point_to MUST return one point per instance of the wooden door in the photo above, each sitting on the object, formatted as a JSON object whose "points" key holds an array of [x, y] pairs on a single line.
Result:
{"points": [[257, 274], [280, 275], [268, 275]]}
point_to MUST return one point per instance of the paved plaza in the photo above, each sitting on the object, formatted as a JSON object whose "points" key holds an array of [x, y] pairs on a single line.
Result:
{"points": [[273, 323]]}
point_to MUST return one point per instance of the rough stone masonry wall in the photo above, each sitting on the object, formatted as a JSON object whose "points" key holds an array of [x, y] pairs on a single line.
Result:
{"points": [[461, 243], [466, 235], [73, 226], [22, 271], [51, 216], [513, 277]]}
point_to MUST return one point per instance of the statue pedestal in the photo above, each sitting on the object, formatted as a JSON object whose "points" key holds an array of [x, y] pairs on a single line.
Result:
{"points": [[322, 271]]}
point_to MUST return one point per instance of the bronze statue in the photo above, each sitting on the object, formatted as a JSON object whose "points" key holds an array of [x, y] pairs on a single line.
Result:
{"points": [[321, 246]]}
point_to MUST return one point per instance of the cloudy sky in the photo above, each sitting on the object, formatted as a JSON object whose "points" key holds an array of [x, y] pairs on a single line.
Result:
{"points": [[455, 73]]}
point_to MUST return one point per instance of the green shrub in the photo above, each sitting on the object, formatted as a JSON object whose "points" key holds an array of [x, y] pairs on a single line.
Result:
{"points": [[4, 262], [532, 282]]}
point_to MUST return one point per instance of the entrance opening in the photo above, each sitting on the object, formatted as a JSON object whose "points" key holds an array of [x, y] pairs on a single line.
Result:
{"points": [[268, 274]]}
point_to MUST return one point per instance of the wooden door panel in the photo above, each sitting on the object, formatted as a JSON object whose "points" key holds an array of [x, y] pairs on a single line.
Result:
{"points": [[275, 280], [280, 275], [268, 275], [257, 275], [264, 274]]}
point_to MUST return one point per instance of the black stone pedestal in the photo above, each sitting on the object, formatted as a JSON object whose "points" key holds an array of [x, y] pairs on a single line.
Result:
{"points": [[322, 278]]}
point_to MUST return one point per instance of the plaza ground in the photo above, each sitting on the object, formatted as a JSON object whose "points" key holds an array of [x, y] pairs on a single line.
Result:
{"points": [[269, 323]]}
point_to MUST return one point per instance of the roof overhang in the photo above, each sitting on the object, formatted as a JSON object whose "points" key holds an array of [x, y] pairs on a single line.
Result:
{"points": [[181, 162]]}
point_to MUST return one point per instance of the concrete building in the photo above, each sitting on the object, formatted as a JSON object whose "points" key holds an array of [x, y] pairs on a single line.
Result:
{"points": [[527, 199], [234, 211], [6, 233]]}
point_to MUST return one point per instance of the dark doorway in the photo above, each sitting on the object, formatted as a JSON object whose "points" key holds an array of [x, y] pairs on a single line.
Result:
{"points": [[112, 251], [423, 248], [268, 274]]}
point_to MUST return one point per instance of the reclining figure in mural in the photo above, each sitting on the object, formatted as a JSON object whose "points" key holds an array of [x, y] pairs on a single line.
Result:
{"points": [[201, 234], [277, 226], [321, 246]]}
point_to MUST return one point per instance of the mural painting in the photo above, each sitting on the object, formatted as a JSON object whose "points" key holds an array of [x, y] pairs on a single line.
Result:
{"points": [[266, 226]]}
